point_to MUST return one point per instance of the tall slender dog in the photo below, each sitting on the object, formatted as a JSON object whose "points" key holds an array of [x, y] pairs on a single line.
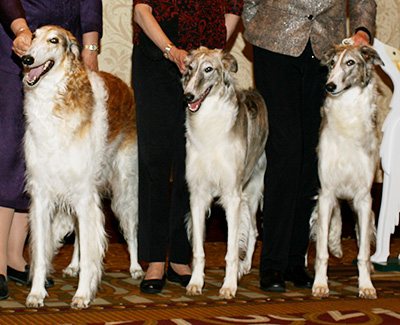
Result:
{"points": [[348, 156], [80, 141], [226, 134]]}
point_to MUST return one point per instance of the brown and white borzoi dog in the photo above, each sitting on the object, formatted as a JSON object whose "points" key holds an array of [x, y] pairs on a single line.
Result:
{"points": [[80, 140], [348, 157], [227, 131]]}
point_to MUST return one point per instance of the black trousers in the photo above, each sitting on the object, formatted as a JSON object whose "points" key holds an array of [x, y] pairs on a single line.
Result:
{"points": [[161, 143], [293, 89]]}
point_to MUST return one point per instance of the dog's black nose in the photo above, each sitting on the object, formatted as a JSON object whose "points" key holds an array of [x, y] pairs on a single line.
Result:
{"points": [[188, 97], [330, 87], [27, 60]]}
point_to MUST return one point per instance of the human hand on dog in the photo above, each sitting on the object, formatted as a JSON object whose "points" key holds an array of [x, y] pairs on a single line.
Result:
{"points": [[23, 36], [360, 38], [178, 56]]}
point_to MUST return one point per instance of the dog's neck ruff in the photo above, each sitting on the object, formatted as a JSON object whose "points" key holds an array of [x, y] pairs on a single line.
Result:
{"points": [[36, 73], [195, 106]]}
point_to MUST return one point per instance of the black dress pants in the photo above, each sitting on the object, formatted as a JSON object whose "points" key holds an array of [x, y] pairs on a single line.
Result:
{"points": [[293, 89], [161, 142]]}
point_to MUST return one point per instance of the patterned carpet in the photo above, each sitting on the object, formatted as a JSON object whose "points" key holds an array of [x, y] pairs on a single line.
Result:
{"points": [[119, 300]]}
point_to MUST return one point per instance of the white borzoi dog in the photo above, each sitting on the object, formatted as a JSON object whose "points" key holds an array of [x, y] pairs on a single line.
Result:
{"points": [[348, 157], [226, 135], [80, 140]]}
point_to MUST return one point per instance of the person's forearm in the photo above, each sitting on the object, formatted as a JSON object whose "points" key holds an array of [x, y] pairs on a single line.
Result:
{"points": [[144, 18], [231, 22], [18, 25]]}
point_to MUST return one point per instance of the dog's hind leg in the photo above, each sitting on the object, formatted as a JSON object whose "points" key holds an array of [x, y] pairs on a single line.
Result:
{"points": [[326, 203], [200, 201], [254, 195], [63, 224], [363, 207], [335, 233], [232, 203], [125, 201], [41, 245], [92, 244], [72, 270]]}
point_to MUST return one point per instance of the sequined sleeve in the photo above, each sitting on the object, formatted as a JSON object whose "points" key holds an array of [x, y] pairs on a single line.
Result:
{"points": [[362, 14]]}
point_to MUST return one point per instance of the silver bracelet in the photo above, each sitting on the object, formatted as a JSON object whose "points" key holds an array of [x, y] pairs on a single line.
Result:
{"points": [[167, 49]]}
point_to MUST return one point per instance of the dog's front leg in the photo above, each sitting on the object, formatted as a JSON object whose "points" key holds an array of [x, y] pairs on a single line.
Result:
{"points": [[324, 209], [41, 245], [198, 206], [92, 243], [363, 207], [231, 203]]}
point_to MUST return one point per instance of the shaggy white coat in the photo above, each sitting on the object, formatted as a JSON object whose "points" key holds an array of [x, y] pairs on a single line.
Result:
{"points": [[73, 155]]}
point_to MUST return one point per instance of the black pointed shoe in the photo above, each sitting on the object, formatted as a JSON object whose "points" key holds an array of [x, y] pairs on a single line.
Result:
{"points": [[299, 276], [152, 286], [172, 276], [272, 280], [3, 287], [23, 277]]}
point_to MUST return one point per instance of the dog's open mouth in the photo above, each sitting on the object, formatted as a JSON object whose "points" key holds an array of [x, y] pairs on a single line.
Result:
{"points": [[36, 73], [194, 106]]}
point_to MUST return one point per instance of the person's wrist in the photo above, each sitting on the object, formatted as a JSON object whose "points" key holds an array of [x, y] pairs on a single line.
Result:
{"points": [[167, 50], [21, 30]]}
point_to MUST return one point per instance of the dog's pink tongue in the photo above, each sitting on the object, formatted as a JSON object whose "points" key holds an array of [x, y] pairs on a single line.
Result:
{"points": [[195, 105], [35, 72]]}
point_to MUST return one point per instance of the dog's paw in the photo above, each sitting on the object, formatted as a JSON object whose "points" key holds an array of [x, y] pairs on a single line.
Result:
{"points": [[320, 291], [194, 289], [71, 272], [244, 268], [367, 293], [227, 292], [34, 301], [80, 302], [137, 273], [336, 251]]}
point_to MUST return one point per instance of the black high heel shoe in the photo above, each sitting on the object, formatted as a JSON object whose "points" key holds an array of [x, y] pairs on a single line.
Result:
{"points": [[3, 287], [175, 277], [152, 286], [23, 277]]}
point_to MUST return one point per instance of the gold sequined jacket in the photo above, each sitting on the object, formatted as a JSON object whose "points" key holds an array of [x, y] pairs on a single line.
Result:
{"points": [[285, 26]]}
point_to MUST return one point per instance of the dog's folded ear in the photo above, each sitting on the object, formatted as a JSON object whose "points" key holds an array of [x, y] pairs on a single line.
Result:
{"points": [[73, 45], [328, 55], [229, 62], [369, 54]]}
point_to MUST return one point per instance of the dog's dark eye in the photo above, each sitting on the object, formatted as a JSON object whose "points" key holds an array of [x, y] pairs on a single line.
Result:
{"points": [[332, 63], [350, 63], [54, 40], [208, 69], [33, 36]]}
